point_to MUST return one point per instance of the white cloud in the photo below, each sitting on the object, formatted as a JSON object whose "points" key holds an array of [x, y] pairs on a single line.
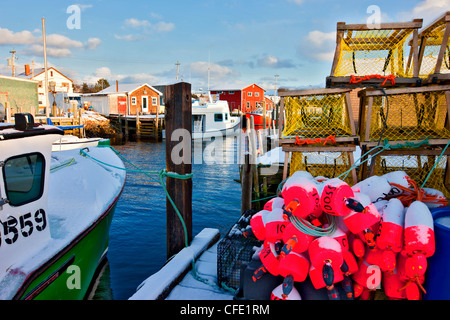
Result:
{"points": [[164, 27], [60, 41], [200, 69], [93, 43], [8, 37], [136, 23], [129, 37], [106, 73], [38, 50], [296, 1], [146, 26], [271, 61], [428, 10], [318, 45]]}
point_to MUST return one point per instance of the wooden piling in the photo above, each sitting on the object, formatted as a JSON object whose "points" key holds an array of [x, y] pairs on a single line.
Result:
{"points": [[178, 103]]}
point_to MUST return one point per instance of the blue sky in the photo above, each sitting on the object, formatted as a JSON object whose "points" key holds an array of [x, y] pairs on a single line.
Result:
{"points": [[240, 41]]}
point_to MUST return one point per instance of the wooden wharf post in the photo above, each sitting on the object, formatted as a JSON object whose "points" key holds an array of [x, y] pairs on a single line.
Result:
{"points": [[178, 116]]}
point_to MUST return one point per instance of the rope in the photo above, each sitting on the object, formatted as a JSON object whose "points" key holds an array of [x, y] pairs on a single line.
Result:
{"points": [[161, 174], [308, 228]]}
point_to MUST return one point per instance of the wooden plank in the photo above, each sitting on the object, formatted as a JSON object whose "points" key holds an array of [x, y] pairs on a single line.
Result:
{"points": [[366, 133], [442, 49], [415, 24], [432, 142], [178, 116], [345, 82], [416, 65], [350, 112], [308, 92], [286, 164], [337, 52], [281, 118], [338, 140], [371, 93], [247, 184], [319, 149]]}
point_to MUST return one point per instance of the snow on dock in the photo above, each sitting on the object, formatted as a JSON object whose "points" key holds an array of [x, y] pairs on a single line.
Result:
{"points": [[175, 280]]}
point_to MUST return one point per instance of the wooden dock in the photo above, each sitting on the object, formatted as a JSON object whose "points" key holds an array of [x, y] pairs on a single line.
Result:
{"points": [[141, 126], [175, 280]]}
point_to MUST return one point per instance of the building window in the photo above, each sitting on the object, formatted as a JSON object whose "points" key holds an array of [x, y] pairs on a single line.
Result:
{"points": [[154, 101], [133, 101], [218, 117], [24, 178], [249, 94], [51, 73], [256, 94], [231, 92]]}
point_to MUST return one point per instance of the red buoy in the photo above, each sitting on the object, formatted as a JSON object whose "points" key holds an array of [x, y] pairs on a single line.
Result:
{"points": [[390, 235], [334, 196], [301, 197]]}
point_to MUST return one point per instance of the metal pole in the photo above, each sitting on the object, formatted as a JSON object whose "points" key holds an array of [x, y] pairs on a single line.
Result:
{"points": [[47, 110]]}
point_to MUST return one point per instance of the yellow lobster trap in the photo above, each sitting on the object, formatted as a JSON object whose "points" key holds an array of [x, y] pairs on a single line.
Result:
{"points": [[404, 114], [326, 164], [317, 113], [375, 54], [434, 50]]}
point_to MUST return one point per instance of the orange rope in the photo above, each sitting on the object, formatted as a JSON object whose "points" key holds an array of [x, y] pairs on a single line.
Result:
{"points": [[355, 79], [416, 194]]}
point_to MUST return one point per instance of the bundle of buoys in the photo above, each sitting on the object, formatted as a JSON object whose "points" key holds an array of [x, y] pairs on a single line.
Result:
{"points": [[373, 235]]}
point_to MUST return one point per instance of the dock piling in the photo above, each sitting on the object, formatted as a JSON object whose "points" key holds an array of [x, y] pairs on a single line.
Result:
{"points": [[178, 116]]}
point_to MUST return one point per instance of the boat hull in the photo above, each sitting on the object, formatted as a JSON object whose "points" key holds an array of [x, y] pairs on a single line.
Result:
{"points": [[214, 133], [69, 274], [258, 119]]}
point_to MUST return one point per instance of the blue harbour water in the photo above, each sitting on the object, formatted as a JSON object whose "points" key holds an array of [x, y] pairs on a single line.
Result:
{"points": [[137, 245]]}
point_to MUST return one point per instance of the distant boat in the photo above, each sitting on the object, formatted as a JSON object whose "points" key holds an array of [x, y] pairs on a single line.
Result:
{"points": [[56, 209], [69, 142], [212, 119]]}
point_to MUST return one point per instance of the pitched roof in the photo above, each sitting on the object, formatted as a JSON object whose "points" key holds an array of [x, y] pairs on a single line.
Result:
{"points": [[236, 89], [40, 71], [126, 88]]}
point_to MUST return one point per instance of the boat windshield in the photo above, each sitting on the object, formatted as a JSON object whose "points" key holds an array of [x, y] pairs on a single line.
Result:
{"points": [[24, 178]]}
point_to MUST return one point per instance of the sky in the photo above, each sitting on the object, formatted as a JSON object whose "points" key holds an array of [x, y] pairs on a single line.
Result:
{"points": [[219, 44]]}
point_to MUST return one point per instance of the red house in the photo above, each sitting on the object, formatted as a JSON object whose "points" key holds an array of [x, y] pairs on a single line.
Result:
{"points": [[247, 99]]}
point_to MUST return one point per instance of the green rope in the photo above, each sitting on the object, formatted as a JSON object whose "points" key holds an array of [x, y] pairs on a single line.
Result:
{"points": [[435, 164], [308, 228], [161, 174]]}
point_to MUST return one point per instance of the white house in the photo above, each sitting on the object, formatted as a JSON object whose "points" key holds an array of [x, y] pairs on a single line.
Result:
{"points": [[57, 81]]}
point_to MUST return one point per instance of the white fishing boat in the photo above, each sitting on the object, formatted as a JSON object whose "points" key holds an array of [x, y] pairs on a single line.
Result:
{"points": [[212, 119], [69, 142], [56, 209]]}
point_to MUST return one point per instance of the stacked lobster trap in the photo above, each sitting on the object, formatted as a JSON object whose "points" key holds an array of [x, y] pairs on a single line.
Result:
{"points": [[319, 132], [376, 54], [434, 51], [407, 129]]}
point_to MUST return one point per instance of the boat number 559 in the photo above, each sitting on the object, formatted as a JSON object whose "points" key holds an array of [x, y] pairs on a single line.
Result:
{"points": [[25, 226]]}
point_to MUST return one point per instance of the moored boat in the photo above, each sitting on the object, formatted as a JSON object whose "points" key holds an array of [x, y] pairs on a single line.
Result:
{"points": [[55, 212], [212, 119]]}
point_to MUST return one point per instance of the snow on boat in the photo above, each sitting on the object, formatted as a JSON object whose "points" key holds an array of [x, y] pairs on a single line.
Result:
{"points": [[55, 212], [212, 119]]}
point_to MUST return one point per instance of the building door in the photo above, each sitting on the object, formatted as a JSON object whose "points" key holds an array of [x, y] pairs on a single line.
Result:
{"points": [[145, 104], [122, 105]]}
